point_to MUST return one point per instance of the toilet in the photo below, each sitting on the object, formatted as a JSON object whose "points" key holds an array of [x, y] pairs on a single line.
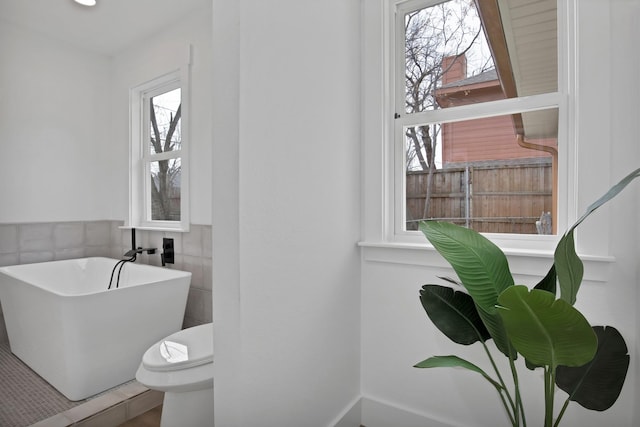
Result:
{"points": [[181, 365]]}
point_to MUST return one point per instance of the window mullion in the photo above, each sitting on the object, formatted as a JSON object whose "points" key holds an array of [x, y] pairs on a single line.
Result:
{"points": [[399, 60], [156, 157], [483, 110], [399, 187]]}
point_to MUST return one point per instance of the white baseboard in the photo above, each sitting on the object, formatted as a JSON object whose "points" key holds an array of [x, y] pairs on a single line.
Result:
{"points": [[351, 416], [369, 412]]}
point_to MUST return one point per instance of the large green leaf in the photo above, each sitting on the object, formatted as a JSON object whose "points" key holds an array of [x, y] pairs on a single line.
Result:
{"points": [[613, 191], [569, 268], [544, 330], [454, 362], [454, 313], [548, 282], [481, 267], [597, 384], [496, 328]]}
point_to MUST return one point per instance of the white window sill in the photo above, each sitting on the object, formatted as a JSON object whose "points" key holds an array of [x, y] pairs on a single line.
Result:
{"points": [[522, 262]]}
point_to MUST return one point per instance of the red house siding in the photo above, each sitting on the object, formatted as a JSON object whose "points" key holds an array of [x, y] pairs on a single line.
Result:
{"points": [[482, 139]]}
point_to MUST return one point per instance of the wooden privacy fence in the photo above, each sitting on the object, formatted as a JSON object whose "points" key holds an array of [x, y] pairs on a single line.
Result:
{"points": [[506, 198]]}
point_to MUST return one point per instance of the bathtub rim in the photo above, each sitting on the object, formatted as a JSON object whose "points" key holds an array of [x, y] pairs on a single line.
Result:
{"points": [[171, 273]]}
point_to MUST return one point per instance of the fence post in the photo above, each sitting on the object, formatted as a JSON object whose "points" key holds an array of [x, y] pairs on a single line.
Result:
{"points": [[467, 198]]}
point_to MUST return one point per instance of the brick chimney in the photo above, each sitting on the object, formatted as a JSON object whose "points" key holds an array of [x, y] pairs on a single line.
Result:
{"points": [[454, 68]]}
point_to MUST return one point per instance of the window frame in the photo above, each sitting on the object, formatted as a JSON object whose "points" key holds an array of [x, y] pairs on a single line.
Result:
{"points": [[396, 119], [580, 69], [141, 156]]}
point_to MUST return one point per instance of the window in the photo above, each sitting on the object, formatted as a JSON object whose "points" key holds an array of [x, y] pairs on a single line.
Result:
{"points": [[476, 115], [159, 163]]}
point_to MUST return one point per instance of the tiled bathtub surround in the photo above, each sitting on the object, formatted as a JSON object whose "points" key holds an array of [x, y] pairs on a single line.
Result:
{"points": [[38, 242], [192, 253]]}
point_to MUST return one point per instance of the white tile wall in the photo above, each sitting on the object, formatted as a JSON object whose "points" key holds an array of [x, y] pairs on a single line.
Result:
{"points": [[192, 253], [8, 239], [68, 235], [36, 237]]}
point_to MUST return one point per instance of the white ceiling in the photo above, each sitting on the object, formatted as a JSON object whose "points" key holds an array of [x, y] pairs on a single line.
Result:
{"points": [[105, 28]]}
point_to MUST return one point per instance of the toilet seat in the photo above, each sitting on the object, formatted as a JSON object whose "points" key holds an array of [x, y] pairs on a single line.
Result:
{"points": [[184, 349], [180, 362]]}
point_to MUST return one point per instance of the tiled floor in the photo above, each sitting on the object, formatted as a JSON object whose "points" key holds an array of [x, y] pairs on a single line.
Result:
{"points": [[27, 400]]}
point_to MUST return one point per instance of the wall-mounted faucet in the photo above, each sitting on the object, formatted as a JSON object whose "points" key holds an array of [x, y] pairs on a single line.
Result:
{"points": [[137, 250], [129, 256]]}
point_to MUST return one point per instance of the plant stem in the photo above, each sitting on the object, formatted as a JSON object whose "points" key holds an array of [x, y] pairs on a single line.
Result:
{"points": [[549, 391], [506, 406], [519, 406], [512, 412], [564, 408]]}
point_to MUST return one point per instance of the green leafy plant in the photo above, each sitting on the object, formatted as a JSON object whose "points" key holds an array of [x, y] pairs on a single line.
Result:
{"points": [[588, 363]]}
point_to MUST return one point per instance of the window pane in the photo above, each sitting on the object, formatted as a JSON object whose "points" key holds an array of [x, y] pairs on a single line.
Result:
{"points": [[445, 47], [496, 174], [165, 122], [482, 177], [165, 190]]}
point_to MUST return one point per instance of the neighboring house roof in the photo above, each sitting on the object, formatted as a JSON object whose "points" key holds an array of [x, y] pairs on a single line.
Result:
{"points": [[483, 77], [462, 90]]}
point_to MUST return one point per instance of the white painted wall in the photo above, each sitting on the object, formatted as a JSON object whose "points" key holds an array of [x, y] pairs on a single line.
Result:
{"points": [[145, 61], [625, 95], [54, 118], [65, 118], [396, 332], [633, 15], [286, 211], [227, 304]]}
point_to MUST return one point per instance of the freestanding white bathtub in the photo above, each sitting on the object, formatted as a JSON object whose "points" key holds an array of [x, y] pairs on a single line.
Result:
{"points": [[82, 338]]}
